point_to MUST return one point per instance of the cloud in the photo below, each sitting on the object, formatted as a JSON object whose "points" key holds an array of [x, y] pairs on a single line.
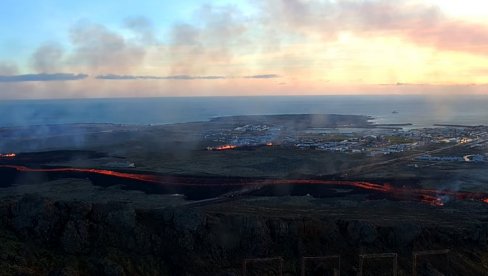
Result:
{"points": [[122, 77], [98, 49], [453, 36], [176, 77], [404, 84], [47, 58], [214, 41], [143, 28], [180, 77], [264, 76], [300, 42], [8, 68], [415, 21], [326, 18], [42, 77]]}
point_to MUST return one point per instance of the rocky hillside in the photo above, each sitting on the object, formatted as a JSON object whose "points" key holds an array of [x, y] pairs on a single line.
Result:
{"points": [[40, 236]]}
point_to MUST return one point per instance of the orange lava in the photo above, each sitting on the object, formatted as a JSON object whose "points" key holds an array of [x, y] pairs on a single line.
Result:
{"points": [[225, 147], [132, 176], [8, 155], [429, 196]]}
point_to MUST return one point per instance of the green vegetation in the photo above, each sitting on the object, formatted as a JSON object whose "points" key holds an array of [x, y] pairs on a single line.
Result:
{"points": [[395, 140]]}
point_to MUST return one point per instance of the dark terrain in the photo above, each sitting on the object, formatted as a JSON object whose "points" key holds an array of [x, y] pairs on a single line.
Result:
{"points": [[201, 212], [43, 236]]}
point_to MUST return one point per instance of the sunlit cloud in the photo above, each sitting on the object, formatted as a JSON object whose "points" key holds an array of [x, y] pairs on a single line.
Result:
{"points": [[280, 47]]}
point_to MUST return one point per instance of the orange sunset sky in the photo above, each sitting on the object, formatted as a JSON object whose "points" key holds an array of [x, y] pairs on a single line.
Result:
{"points": [[68, 49]]}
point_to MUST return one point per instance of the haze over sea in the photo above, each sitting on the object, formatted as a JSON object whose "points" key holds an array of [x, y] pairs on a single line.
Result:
{"points": [[418, 110]]}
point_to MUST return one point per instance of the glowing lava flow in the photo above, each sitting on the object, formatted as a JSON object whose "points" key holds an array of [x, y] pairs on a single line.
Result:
{"points": [[7, 155], [225, 147], [429, 196], [132, 176]]}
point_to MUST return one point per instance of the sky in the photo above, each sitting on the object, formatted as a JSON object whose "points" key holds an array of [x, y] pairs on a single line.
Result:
{"points": [[129, 48]]}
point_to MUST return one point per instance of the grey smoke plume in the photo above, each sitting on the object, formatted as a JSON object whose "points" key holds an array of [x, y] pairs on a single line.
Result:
{"points": [[7, 68], [212, 43], [419, 23], [142, 28], [100, 49], [48, 58]]}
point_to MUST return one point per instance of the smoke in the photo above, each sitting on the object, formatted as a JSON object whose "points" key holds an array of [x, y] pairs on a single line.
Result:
{"points": [[210, 45], [417, 22], [143, 30], [241, 50], [98, 49], [8, 68], [47, 58]]}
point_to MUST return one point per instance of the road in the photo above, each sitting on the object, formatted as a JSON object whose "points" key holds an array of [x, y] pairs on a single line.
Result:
{"points": [[369, 166], [347, 173]]}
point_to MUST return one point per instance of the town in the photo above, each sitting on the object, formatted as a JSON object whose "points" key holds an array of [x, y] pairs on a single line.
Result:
{"points": [[372, 141]]}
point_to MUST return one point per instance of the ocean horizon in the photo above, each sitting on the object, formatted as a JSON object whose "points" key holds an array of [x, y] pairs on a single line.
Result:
{"points": [[421, 111]]}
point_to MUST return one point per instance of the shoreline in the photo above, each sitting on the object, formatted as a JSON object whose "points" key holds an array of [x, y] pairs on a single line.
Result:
{"points": [[457, 126]]}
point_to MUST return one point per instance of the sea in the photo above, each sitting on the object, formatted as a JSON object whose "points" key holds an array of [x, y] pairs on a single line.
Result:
{"points": [[420, 111]]}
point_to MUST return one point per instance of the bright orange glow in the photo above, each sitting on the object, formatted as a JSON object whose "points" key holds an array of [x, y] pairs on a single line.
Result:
{"points": [[269, 144], [8, 155], [429, 196], [132, 176], [225, 147]]}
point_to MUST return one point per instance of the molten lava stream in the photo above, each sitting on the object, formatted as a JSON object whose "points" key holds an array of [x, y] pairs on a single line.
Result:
{"points": [[225, 147], [132, 176], [430, 196]]}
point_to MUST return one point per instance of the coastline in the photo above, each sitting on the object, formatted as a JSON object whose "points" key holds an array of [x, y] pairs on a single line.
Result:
{"points": [[419, 111]]}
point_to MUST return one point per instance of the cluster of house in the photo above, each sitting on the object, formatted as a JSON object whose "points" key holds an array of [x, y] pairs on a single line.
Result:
{"points": [[371, 141], [252, 128], [247, 135], [396, 148], [343, 146]]}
